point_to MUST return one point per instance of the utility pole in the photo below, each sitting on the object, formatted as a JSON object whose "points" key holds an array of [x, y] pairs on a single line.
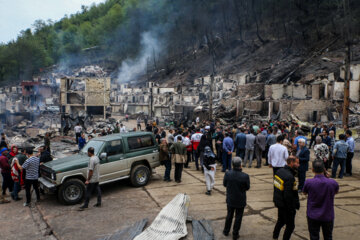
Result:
{"points": [[212, 85], [345, 118]]}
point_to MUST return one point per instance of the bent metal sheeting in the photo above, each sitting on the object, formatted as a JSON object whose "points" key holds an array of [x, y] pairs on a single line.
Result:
{"points": [[170, 223]]}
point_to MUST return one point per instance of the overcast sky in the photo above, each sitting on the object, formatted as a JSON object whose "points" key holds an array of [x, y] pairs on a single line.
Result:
{"points": [[17, 15]]}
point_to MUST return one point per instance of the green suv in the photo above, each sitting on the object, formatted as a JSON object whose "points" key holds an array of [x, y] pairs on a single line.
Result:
{"points": [[131, 155]]}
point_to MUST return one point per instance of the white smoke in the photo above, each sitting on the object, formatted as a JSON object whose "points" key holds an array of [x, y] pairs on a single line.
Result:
{"points": [[133, 68]]}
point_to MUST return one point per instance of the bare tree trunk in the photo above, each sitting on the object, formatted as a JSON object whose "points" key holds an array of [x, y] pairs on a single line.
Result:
{"points": [[256, 23]]}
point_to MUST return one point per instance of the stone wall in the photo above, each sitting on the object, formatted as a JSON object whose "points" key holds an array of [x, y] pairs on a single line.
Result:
{"points": [[251, 90]]}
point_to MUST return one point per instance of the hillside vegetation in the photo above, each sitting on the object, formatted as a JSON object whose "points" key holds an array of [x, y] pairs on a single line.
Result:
{"points": [[181, 30]]}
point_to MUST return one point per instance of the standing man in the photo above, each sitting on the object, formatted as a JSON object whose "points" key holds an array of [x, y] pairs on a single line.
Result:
{"points": [[7, 182], [209, 169], [331, 158], [350, 141], [78, 130], [164, 158], [219, 138], [236, 183], [332, 128], [47, 141], [122, 128], [260, 144], [249, 147], [299, 135], [240, 142], [277, 155], [314, 133], [195, 140], [31, 165], [270, 140], [228, 148], [82, 141], [92, 181], [138, 121], [178, 150], [339, 153], [320, 205], [286, 198], [304, 157], [188, 144]]}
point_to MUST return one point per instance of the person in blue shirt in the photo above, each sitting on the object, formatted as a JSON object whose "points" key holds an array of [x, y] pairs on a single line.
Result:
{"points": [[82, 141], [299, 134], [340, 151], [228, 148], [350, 141]]}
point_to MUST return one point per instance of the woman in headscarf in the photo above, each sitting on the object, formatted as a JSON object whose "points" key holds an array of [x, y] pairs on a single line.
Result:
{"points": [[13, 152], [209, 169]]}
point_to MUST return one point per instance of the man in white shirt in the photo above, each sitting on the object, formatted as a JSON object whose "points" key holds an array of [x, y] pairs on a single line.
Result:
{"points": [[278, 154], [78, 130], [92, 181], [122, 128]]}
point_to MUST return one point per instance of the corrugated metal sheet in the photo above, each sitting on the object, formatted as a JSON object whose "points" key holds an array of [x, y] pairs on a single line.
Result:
{"points": [[170, 223]]}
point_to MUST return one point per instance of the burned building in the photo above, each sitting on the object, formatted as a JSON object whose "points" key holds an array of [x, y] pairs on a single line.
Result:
{"points": [[91, 95]]}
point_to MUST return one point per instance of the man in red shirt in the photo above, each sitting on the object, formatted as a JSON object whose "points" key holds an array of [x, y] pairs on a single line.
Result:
{"points": [[195, 140], [6, 174]]}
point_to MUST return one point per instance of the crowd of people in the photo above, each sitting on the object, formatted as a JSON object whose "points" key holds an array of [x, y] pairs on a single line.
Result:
{"points": [[279, 145], [20, 169]]}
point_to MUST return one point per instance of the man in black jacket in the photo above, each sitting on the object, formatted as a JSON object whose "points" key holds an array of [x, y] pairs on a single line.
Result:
{"points": [[236, 183], [286, 197]]}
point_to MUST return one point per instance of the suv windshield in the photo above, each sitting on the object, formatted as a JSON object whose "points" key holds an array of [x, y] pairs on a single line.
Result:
{"points": [[93, 143]]}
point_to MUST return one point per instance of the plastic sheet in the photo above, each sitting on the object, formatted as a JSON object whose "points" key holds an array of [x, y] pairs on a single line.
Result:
{"points": [[202, 230], [128, 233]]}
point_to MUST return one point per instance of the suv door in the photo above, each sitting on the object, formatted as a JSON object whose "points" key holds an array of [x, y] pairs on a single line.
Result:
{"points": [[114, 166]]}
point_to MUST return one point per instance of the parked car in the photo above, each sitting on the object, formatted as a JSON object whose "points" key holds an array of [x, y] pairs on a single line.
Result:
{"points": [[129, 155], [53, 109]]}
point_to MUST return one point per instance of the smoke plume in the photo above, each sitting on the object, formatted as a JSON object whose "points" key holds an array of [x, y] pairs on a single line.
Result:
{"points": [[131, 69]]}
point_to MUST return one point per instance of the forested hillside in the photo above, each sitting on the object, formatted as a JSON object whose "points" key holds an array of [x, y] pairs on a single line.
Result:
{"points": [[176, 30]]}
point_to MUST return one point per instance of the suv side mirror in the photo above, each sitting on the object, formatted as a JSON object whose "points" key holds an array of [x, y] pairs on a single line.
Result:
{"points": [[103, 156]]}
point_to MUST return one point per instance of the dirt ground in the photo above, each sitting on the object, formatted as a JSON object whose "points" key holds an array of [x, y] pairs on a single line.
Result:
{"points": [[124, 205]]}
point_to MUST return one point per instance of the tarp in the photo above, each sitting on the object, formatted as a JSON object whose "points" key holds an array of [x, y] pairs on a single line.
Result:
{"points": [[202, 230], [128, 233], [170, 223]]}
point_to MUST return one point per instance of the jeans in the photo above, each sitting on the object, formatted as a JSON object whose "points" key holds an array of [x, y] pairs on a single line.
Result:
{"points": [[226, 161], [259, 154], [77, 135], [336, 163], [28, 184], [266, 155], [167, 164], [219, 152], [7, 183], [285, 217], [240, 152], [349, 158], [238, 218], [16, 191], [188, 160], [196, 157], [89, 190], [302, 177], [249, 154], [178, 171], [314, 229]]}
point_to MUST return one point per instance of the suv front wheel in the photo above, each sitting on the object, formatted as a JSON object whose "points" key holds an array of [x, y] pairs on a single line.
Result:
{"points": [[71, 192], [140, 175]]}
